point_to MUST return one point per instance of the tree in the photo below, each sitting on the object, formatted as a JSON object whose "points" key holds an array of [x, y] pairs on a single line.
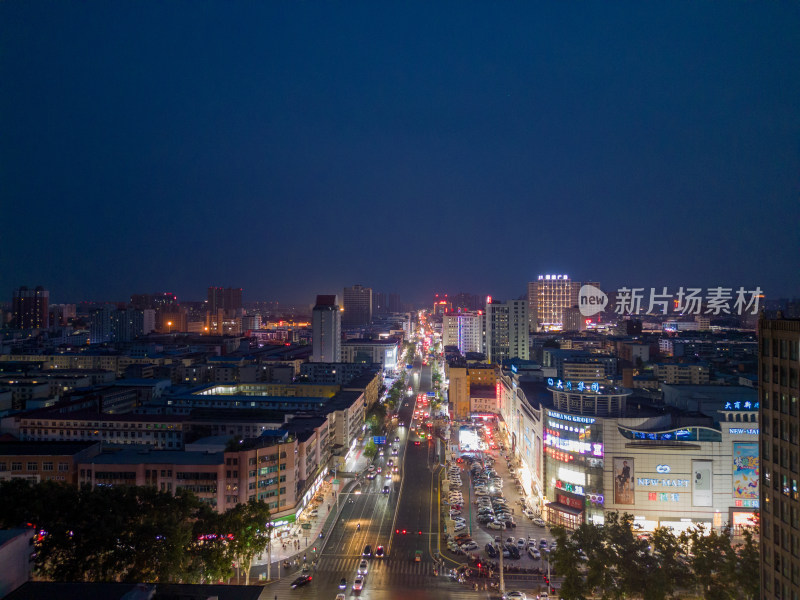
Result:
{"points": [[370, 450], [567, 563], [746, 575], [713, 561], [249, 525], [668, 568]]}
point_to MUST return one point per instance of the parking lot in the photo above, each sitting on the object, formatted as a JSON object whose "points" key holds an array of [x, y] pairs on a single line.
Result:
{"points": [[488, 508]]}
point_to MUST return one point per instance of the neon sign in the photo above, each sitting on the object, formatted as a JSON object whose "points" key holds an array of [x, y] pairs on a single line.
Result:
{"points": [[646, 482], [563, 417], [569, 386], [742, 405]]}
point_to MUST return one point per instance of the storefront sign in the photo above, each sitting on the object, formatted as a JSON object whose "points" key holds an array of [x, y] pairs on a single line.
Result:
{"points": [[574, 419], [663, 497], [662, 469], [740, 431], [647, 482], [578, 386], [741, 405], [571, 502]]}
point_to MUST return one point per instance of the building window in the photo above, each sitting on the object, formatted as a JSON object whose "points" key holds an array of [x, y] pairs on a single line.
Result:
{"points": [[32, 466], [16, 466], [47, 466]]}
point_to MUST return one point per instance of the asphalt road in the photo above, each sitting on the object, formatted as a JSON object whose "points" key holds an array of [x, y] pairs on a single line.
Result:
{"points": [[411, 505]]}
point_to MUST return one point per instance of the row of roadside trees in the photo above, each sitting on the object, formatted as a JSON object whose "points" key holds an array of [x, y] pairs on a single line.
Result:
{"points": [[131, 533], [611, 561]]}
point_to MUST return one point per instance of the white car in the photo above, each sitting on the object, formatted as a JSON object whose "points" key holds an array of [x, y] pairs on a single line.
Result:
{"points": [[358, 584], [363, 567], [497, 525], [534, 553], [515, 596], [470, 546], [529, 513], [539, 522], [460, 527]]}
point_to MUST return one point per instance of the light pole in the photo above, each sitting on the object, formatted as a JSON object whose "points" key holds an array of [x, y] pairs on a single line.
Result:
{"points": [[169, 327]]}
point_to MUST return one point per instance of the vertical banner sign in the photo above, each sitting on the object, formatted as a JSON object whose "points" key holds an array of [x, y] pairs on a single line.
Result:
{"points": [[745, 470], [702, 494], [623, 481]]}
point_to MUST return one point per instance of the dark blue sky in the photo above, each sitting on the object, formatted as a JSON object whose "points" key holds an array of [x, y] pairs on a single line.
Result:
{"points": [[294, 148]]}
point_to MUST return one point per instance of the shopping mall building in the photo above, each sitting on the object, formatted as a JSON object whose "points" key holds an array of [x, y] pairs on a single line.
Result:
{"points": [[582, 449]]}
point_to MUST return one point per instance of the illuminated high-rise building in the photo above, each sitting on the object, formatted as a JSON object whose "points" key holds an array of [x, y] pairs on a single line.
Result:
{"points": [[548, 297], [326, 330], [506, 330], [463, 329], [30, 308]]}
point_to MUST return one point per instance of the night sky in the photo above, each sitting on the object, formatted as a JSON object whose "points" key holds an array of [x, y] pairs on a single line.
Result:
{"points": [[293, 148]]}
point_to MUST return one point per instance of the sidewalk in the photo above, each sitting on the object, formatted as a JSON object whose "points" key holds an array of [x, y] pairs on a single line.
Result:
{"points": [[298, 546]]}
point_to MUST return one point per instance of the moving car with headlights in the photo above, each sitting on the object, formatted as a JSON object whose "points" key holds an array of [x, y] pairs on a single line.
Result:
{"points": [[301, 581]]}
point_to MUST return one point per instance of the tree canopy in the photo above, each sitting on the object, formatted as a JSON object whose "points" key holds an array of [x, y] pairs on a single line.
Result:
{"points": [[130, 533]]}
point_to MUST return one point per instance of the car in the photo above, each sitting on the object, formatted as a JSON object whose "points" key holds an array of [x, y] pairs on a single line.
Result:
{"points": [[343, 584], [358, 584], [340, 596], [462, 538], [497, 525], [378, 469], [528, 513], [485, 519], [515, 596], [485, 510], [363, 567], [388, 474], [301, 581], [367, 550], [380, 552], [542, 543], [386, 489], [513, 551], [469, 546], [534, 553], [396, 438], [491, 551], [538, 521], [460, 527], [521, 543], [453, 547], [510, 523], [370, 476]]}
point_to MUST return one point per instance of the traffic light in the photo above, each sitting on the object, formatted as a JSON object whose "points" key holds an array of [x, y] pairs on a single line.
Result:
{"points": [[315, 548], [420, 532]]}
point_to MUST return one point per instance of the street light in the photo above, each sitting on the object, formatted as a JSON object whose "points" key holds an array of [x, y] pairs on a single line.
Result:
{"points": [[169, 325]]}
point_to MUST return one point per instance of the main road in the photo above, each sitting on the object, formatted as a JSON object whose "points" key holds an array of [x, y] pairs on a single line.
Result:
{"points": [[403, 521]]}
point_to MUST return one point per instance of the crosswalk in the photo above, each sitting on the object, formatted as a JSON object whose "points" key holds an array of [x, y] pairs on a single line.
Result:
{"points": [[393, 566]]}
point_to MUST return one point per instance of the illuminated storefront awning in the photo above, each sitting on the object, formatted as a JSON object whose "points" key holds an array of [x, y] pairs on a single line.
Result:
{"points": [[564, 508]]}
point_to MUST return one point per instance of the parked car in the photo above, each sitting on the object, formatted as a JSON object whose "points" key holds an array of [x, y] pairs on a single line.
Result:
{"points": [[498, 525], [534, 553], [469, 546], [491, 551], [539, 522]]}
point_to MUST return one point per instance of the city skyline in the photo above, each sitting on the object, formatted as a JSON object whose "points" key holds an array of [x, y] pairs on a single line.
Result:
{"points": [[320, 146]]}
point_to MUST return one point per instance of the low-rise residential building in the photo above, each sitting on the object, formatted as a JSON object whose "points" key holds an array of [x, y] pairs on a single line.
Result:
{"points": [[44, 461]]}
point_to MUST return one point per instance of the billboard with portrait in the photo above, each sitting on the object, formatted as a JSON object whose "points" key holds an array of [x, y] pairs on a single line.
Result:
{"points": [[623, 481], [745, 470]]}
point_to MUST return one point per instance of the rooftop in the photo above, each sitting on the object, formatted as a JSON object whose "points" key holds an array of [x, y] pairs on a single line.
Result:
{"points": [[43, 448]]}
